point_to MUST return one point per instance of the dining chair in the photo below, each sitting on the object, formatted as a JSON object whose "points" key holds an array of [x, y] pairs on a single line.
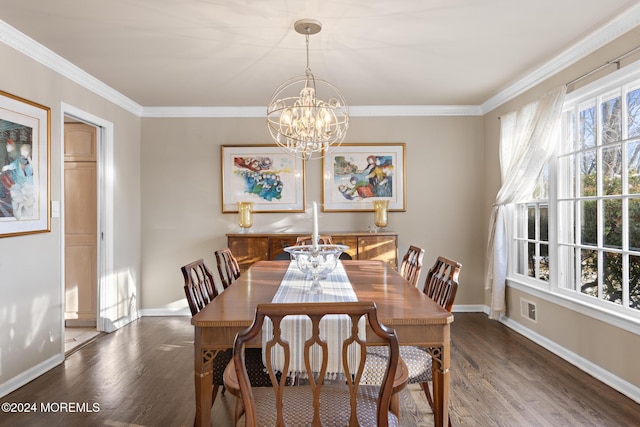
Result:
{"points": [[282, 256], [228, 267], [200, 289], [345, 401], [307, 240], [199, 286], [345, 256], [412, 264], [441, 285]]}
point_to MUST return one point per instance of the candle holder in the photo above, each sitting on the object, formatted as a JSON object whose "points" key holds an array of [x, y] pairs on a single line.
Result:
{"points": [[245, 215], [380, 214], [316, 262]]}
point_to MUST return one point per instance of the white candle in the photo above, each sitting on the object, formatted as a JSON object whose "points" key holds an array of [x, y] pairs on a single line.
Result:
{"points": [[314, 236]]}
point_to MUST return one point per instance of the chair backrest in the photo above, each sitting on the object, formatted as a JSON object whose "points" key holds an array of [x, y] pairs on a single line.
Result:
{"points": [[228, 267], [345, 256], [441, 284], [276, 312], [306, 240], [199, 286], [412, 264], [281, 256]]}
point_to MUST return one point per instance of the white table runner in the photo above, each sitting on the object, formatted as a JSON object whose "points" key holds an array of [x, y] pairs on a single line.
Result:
{"points": [[334, 329]]}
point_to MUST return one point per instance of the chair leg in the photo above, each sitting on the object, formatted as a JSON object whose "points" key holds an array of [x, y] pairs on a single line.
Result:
{"points": [[425, 387], [427, 393]]}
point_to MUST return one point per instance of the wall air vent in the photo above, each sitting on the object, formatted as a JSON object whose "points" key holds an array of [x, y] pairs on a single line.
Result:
{"points": [[529, 310]]}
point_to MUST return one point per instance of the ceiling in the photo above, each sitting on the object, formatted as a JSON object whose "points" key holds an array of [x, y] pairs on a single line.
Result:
{"points": [[215, 53]]}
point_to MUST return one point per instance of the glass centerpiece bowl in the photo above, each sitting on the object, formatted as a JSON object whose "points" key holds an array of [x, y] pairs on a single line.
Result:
{"points": [[316, 262]]}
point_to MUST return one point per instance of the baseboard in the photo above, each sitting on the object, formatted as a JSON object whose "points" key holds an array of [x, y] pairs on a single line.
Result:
{"points": [[80, 323], [30, 374], [470, 309], [119, 323], [613, 381], [155, 312]]}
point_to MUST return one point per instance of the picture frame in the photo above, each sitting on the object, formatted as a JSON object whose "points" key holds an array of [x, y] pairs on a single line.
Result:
{"points": [[25, 135], [263, 174], [355, 175]]}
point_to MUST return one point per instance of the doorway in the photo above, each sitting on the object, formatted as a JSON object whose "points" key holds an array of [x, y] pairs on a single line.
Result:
{"points": [[81, 222], [108, 318]]}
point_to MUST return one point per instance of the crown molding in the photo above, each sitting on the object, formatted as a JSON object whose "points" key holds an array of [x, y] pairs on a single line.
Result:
{"points": [[200, 112], [354, 111], [414, 110], [39, 53], [609, 32]]}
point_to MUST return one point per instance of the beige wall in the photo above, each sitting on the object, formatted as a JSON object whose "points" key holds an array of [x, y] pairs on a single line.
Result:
{"points": [[167, 212], [31, 299], [600, 343], [181, 195]]}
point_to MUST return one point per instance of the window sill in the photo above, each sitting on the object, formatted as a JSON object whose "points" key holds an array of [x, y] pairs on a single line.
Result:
{"points": [[613, 318]]}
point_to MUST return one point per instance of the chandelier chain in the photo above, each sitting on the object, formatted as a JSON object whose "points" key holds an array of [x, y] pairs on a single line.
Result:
{"points": [[308, 70]]}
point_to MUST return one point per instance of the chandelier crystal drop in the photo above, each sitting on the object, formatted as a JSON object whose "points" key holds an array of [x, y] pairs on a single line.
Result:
{"points": [[299, 120]]}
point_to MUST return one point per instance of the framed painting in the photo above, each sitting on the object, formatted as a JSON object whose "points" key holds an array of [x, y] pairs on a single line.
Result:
{"points": [[25, 132], [355, 175], [263, 174]]}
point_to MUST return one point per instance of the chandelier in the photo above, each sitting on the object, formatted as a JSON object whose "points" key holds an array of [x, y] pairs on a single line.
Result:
{"points": [[298, 119]]}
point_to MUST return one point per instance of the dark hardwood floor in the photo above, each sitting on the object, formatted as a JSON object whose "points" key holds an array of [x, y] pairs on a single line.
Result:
{"points": [[142, 375], [500, 378]]}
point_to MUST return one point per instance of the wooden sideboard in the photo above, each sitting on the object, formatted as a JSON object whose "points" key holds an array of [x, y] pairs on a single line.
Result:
{"points": [[249, 248]]}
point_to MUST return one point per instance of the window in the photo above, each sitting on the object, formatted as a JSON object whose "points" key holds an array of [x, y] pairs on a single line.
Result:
{"points": [[589, 195], [532, 232]]}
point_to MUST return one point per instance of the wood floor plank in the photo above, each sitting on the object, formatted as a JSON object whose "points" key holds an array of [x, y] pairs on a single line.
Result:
{"points": [[501, 378], [142, 375]]}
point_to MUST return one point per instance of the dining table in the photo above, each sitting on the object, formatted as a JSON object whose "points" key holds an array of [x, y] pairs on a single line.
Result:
{"points": [[417, 320]]}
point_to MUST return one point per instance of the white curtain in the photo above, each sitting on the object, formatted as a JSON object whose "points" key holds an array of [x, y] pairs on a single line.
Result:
{"points": [[527, 139]]}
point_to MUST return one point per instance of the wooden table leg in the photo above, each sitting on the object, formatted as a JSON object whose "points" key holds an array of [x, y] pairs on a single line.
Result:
{"points": [[203, 379], [441, 379]]}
